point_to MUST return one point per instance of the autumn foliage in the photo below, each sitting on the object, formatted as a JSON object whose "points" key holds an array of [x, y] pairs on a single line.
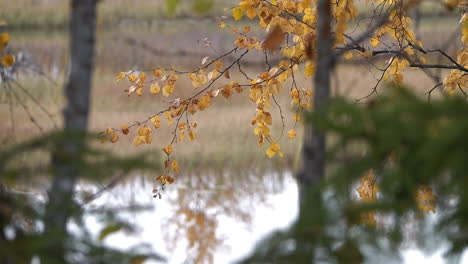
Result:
{"points": [[7, 60], [289, 32]]}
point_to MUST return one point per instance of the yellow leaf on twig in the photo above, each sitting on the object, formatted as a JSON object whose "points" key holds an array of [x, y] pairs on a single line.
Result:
{"points": [[8, 60]]}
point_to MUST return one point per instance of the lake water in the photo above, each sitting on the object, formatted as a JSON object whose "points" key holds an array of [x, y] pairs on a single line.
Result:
{"points": [[239, 222]]}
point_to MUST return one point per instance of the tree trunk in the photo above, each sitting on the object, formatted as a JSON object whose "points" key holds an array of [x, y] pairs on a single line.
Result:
{"points": [[313, 152], [77, 91]]}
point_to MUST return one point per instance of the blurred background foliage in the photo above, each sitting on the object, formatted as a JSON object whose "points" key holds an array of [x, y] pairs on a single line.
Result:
{"points": [[22, 203], [408, 142]]}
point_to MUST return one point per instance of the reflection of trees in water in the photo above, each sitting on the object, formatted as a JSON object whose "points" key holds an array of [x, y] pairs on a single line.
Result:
{"points": [[202, 199]]}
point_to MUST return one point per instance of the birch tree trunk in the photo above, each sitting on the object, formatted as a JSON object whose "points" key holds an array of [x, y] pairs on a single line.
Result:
{"points": [[77, 91], [313, 151]]}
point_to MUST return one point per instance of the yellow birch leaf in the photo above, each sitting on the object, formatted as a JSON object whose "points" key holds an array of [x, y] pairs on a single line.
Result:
{"points": [[205, 102], [148, 139], [348, 55], [139, 91], [218, 65], [192, 134], [168, 89], [182, 126], [237, 13], [138, 140], [132, 77], [227, 91], [193, 108], [156, 121], [367, 54], [169, 179], [125, 129], [4, 38], [120, 76], [144, 131], [168, 150], [158, 73], [309, 69], [374, 42], [169, 118], [8, 60], [272, 150], [114, 137], [175, 166], [251, 13], [155, 88], [297, 117], [142, 77], [291, 134]]}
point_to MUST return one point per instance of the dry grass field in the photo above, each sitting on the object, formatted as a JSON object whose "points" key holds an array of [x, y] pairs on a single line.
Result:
{"points": [[54, 13], [225, 134]]}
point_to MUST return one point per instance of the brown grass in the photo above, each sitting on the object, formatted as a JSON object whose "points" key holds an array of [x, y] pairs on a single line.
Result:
{"points": [[55, 13], [226, 137]]}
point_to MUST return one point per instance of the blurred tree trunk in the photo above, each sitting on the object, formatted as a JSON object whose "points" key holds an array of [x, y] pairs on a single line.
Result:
{"points": [[313, 149], [77, 91]]}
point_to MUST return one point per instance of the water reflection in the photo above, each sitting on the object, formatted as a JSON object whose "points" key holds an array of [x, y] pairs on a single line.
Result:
{"points": [[206, 219]]}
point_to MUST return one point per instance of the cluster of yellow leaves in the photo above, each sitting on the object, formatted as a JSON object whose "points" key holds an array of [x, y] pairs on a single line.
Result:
{"points": [[182, 130], [273, 150], [144, 136], [198, 79], [302, 45], [250, 43], [458, 79], [145, 133], [189, 129], [368, 190], [344, 11], [268, 13], [247, 7], [139, 81], [170, 166], [274, 17], [164, 180], [109, 135], [7, 60], [398, 29], [395, 70], [425, 199]]}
